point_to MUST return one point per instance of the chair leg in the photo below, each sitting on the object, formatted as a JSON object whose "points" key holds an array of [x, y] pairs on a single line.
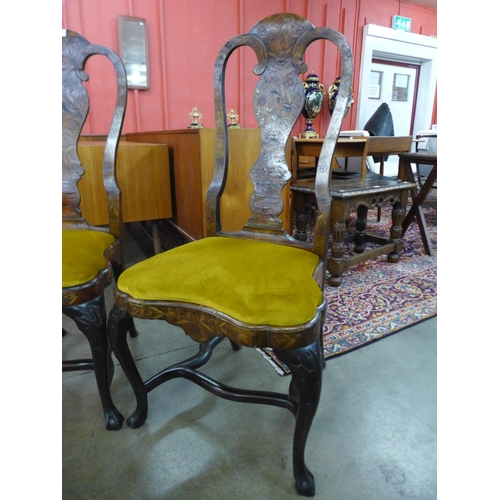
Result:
{"points": [[117, 270], [90, 318], [132, 330], [119, 323], [306, 365], [360, 236], [336, 262], [235, 346], [398, 215]]}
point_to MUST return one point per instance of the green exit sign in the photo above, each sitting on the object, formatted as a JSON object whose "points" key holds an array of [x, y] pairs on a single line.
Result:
{"points": [[401, 23]]}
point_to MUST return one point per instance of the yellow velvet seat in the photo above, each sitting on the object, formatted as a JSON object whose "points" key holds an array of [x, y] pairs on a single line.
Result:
{"points": [[219, 273], [83, 255]]}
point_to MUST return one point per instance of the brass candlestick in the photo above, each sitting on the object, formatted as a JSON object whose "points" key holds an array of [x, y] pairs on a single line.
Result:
{"points": [[233, 119], [195, 119]]}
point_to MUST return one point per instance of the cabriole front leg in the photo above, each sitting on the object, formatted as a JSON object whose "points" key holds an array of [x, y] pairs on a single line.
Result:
{"points": [[306, 365], [90, 318], [119, 324]]}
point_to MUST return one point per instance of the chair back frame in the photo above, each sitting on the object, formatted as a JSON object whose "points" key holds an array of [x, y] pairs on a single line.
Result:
{"points": [[76, 50], [279, 43]]}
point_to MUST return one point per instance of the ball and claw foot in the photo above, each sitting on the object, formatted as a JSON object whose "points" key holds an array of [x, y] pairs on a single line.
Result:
{"points": [[113, 419], [304, 485]]}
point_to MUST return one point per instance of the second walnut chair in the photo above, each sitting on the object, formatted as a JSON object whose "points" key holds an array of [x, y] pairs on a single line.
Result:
{"points": [[258, 287]]}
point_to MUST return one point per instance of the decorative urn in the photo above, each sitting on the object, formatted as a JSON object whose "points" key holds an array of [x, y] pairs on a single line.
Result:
{"points": [[314, 91], [333, 91]]}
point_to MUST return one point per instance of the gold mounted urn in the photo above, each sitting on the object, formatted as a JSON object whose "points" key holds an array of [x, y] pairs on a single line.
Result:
{"points": [[333, 91], [314, 92]]}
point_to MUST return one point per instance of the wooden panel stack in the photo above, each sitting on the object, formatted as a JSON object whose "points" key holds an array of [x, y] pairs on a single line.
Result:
{"points": [[142, 174], [192, 155]]}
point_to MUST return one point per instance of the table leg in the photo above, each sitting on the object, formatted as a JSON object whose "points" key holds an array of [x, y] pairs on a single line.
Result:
{"points": [[398, 214], [155, 225], [416, 210], [360, 236]]}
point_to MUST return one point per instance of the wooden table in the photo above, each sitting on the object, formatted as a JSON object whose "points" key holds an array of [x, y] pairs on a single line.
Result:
{"points": [[345, 148], [418, 196], [361, 147], [142, 171], [351, 193]]}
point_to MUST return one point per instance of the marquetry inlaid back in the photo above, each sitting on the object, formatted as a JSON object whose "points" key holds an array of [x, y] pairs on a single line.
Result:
{"points": [[279, 42], [75, 106]]}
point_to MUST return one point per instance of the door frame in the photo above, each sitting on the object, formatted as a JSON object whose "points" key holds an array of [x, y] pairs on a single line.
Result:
{"points": [[416, 67], [391, 46]]}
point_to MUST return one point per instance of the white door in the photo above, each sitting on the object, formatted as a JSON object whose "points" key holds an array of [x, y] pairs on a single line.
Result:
{"points": [[394, 85]]}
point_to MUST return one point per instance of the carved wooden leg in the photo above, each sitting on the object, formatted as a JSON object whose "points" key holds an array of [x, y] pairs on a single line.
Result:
{"points": [[118, 325], [301, 219], [306, 365], [336, 264], [90, 319], [235, 346], [360, 236], [398, 215], [301, 208]]}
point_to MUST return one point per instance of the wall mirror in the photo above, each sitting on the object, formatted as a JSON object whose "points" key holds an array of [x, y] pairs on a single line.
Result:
{"points": [[133, 47]]}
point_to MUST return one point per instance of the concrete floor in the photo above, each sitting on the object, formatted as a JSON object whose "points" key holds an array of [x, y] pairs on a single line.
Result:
{"points": [[373, 438]]}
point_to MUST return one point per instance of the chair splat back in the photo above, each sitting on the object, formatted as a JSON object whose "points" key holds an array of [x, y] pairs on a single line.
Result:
{"points": [[75, 107], [279, 42]]}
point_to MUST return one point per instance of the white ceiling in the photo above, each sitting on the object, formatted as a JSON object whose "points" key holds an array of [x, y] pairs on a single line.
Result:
{"points": [[431, 4]]}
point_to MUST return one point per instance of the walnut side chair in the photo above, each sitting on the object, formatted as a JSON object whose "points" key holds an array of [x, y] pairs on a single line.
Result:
{"points": [[91, 256], [245, 286]]}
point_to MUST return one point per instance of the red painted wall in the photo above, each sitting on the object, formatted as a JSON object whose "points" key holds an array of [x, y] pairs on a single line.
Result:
{"points": [[185, 38]]}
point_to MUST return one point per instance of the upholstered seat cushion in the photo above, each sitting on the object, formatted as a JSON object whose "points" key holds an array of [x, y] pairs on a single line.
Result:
{"points": [[83, 255], [254, 282]]}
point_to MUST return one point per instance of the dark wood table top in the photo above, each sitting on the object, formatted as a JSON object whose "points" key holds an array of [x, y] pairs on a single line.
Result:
{"points": [[345, 184]]}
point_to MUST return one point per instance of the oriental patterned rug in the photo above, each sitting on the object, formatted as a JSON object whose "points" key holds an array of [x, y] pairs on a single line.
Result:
{"points": [[376, 298]]}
